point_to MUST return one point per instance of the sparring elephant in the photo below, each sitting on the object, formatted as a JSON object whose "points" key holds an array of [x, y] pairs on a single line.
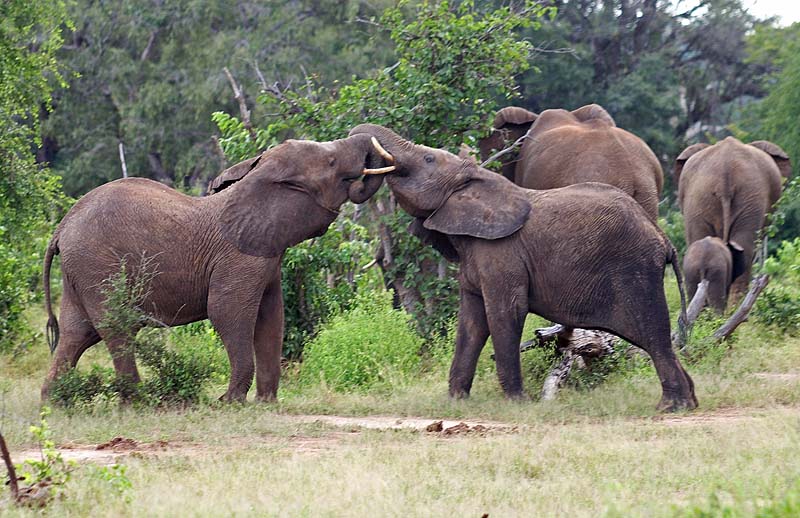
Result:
{"points": [[215, 257], [709, 259], [585, 256], [726, 191], [564, 148]]}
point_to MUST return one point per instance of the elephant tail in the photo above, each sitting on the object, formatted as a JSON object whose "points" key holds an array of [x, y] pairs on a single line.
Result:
{"points": [[673, 259], [726, 218], [52, 321]]}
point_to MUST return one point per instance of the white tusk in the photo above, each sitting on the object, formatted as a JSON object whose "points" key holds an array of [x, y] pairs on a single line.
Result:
{"points": [[385, 154], [381, 170]]}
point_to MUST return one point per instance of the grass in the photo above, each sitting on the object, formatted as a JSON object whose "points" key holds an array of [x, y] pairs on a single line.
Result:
{"points": [[598, 452]]}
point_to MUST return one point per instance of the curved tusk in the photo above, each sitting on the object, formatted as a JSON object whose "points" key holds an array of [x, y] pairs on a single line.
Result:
{"points": [[385, 154], [380, 170]]}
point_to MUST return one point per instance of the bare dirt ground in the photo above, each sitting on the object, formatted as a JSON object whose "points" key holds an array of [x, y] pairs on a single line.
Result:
{"points": [[116, 448]]}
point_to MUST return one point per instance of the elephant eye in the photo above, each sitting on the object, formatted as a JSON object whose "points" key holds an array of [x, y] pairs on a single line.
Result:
{"points": [[429, 159], [332, 161]]}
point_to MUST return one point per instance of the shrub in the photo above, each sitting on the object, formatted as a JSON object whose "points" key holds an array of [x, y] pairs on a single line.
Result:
{"points": [[779, 304], [369, 344]]}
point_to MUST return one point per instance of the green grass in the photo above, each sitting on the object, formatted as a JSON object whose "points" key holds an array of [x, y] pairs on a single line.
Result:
{"points": [[598, 452]]}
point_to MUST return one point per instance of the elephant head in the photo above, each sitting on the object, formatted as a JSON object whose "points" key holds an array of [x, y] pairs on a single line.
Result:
{"points": [[510, 123], [449, 195], [293, 192]]}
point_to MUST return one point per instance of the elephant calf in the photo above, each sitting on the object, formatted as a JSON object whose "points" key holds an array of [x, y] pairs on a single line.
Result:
{"points": [[217, 257], [709, 259], [726, 191], [585, 256]]}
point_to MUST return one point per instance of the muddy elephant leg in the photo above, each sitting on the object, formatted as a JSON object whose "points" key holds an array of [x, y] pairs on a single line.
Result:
{"points": [[77, 335], [471, 336], [505, 313], [268, 342], [123, 356]]}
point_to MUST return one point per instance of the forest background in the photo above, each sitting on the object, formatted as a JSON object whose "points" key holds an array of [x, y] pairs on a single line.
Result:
{"points": [[86, 83]]}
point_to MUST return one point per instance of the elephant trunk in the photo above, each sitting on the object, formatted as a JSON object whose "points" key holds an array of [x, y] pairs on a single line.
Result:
{"points": [[361, 190], [391, 141]]}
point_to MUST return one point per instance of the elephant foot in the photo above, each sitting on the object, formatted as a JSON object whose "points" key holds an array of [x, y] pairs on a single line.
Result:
{"points": [[459, 393], [677, 404], [229, 397], [517, 396], [266, 398]]}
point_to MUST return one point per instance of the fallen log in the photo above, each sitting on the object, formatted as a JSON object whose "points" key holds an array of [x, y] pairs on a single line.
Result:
{"points": [[757, 285]]}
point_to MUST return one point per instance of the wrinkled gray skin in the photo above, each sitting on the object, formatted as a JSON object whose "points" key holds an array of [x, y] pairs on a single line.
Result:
{"points": [[709, 259], [585, 256], [565, 148], [217, 257], [726, 191]]}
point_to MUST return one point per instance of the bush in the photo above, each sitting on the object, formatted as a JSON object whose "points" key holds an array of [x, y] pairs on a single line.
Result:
{"points": [[779, 304], [370, 344]]}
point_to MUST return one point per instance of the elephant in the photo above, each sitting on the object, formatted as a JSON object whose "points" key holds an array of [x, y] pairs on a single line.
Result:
{"points": [[709, 259], [726, 191], [585, 145], [216, 257], [586, 256]]}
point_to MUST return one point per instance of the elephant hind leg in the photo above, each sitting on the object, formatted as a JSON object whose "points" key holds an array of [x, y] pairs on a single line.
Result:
{"points": [[653, 336], [76, 335]]}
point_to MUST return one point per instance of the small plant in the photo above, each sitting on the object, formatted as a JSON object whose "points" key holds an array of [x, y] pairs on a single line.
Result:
{"points": [[46, 477], [75, 389], [369, 344], [115, 476], [703, 348], [125, 293]]}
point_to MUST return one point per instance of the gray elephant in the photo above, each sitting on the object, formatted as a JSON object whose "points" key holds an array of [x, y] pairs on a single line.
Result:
{"points": [[584, 145], [217, 257], [709, 259], [726, 191], [586, 256]]}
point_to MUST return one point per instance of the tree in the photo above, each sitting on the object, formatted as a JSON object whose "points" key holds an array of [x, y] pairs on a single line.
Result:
{"points": [[30, 34]]}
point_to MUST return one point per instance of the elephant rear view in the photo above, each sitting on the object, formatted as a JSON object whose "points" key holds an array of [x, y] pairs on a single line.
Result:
{"points": [[585, 145], [726, 191]]}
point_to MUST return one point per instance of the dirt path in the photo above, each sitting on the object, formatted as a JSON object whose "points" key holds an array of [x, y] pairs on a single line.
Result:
{"points": [[114, 450]]}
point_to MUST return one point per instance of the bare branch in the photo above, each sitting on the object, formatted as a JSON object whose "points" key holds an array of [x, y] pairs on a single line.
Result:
{"points": [[507, 150], [122, 160], [238, 94], [757, 285], [12, 474], [149, 46]]}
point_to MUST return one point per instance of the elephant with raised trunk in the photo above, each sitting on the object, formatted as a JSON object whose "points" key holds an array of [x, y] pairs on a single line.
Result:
{"points": [[585, 145], [726, 191], [585, 256], [216, 257]]}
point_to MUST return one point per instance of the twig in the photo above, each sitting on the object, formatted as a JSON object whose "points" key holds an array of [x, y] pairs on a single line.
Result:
{"points": [[12, 473], [122, 160], [507, 150], [741, 313], [239, 96]]}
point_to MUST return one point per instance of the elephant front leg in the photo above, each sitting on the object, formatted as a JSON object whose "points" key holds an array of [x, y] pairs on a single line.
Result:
{"points": [[268, 343], [471, 336], [506, 317]]}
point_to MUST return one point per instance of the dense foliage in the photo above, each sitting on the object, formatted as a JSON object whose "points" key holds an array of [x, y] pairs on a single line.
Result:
{"points": [[30, 196]]}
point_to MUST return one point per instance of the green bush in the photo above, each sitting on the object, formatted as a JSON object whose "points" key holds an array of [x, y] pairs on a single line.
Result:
{"points": [[702, 349], [779, 304], [369, 344]]}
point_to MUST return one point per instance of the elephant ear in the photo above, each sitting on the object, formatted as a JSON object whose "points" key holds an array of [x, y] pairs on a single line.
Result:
{"points": [[435, 239], [594, 112], [778, 155], [487, 207], [513, 116], [264, 216], [233, 174], [683, 157]]}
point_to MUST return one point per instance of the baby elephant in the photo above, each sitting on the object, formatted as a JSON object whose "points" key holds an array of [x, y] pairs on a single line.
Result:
{"points": [[711, 260], [585, 256]]}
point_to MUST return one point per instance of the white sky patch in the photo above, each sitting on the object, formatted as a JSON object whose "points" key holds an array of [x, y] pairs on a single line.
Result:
{"points": [[788, 10]]}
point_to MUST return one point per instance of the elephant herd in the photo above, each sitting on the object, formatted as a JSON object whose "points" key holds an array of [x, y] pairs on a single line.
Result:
{"points": [[568, 231]]}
